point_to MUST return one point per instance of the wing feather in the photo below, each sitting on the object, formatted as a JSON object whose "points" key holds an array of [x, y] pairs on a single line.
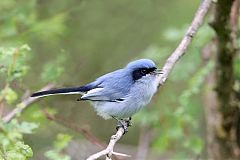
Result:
{"points": [[113, 87]]}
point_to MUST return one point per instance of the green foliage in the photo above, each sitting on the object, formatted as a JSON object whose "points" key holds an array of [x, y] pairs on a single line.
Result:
{"points": [[147, 117], [21, 23], [54, 69], [237, 67], [60, 143], [13, 62], [14, 67], [182, 122], [16, 17], [27, 127], [12, 146], [9, 94], [53, 27]]}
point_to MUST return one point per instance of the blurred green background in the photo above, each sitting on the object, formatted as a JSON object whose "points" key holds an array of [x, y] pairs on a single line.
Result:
{"points": [[73, 42]]}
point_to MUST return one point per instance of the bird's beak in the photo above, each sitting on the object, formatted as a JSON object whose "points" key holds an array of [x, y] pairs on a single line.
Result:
{"points": [[157, 71]]}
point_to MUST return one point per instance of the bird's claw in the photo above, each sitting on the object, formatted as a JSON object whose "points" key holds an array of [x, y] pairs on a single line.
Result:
{"points": [[129, 122], [124, 124]]}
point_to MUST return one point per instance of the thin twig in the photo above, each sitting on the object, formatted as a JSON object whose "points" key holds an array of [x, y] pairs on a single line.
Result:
{"points": [[171, 61], [23, 105], [75, 127]]}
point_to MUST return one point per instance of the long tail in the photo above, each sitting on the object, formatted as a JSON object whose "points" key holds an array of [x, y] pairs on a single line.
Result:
{"points": [[72, 90]]}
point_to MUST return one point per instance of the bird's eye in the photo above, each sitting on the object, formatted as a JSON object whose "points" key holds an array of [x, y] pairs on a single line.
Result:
{"points": [[143, 71]]}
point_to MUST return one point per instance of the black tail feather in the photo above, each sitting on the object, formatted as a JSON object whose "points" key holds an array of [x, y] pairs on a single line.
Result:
{"points": [[59, 91]]}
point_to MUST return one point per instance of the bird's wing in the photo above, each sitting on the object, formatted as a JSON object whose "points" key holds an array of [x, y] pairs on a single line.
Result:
{"points": [[113, 86], [99, 94]]}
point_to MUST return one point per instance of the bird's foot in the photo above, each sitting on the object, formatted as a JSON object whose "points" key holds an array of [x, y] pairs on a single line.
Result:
{"points": [[129, 122], [124, 123]]}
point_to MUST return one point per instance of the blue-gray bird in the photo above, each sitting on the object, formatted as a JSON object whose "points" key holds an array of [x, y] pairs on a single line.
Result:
{"points": [[119, 94]]}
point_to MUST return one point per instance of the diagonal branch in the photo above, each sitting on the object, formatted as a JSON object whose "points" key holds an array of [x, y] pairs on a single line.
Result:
{"points": [[171, 61], [75, 127], [23, 105], [185, 42]]}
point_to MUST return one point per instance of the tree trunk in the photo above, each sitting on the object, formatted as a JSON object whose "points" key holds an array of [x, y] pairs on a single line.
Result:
{"points": [[222, 114]]}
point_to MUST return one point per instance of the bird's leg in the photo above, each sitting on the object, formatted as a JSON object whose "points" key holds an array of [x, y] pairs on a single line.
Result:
{"points": [[124, 123], [120, 123], [129, 122]]}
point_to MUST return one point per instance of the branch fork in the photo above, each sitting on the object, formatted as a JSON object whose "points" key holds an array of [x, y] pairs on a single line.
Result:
{"points": [[108, 152]]}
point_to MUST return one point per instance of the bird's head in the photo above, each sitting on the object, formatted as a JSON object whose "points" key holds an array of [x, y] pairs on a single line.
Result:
{"points": [[143, 69]]}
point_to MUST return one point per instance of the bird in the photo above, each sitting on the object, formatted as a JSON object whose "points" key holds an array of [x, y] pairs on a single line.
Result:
{"points": [[118, 94]]}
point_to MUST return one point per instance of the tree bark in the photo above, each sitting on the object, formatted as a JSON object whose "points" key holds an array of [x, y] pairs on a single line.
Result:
{"points": [[222, 142]]}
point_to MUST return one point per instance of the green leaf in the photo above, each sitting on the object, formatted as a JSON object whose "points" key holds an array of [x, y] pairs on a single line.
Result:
{"points": [[147, 117], [51, 28], [162, 142], [62, 141], [12, 143], [13, 62], [14, 155], [195, 144], [54, 69], [24, 149], [56, 155], [27, 127], [9, 94]]}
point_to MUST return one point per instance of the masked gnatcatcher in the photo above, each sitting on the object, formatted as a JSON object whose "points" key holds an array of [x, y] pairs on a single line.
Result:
{"points": [[119, 94]]}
